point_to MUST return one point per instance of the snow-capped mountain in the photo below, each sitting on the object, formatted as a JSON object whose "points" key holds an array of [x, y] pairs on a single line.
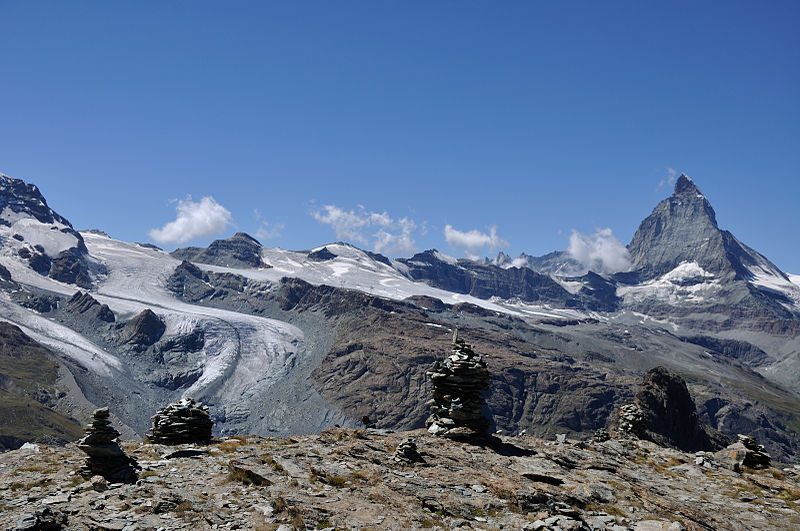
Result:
{"points": [[279, 341]]}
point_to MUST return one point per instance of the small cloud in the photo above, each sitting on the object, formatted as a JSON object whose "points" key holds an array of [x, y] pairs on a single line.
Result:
{"points": [[668, 180], [269, 231], [399, 243], [601, 252], [471, 242], [194, 220], [392, 237]]}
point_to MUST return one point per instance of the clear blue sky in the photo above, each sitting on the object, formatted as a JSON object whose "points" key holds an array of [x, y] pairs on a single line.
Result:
{"points": [[536, 118]]}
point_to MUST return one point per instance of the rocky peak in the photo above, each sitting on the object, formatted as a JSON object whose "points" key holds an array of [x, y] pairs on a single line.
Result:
{"points": [[685, 185], [682, 228], [239, 251], [24, 198]]}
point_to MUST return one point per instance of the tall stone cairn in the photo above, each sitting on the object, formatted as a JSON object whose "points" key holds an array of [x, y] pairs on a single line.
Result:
{"points": [[106, 458], [185, 421], [458, 384], [631, 424]]}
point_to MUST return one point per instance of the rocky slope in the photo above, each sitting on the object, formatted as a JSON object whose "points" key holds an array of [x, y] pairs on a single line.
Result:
{"points": [[28, 392], [356, 479]]}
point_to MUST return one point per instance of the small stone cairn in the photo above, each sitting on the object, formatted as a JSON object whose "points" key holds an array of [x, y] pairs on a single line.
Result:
{"points": [[631, 422], [407, 452], [458, 384], [747, 452], [185, 421], [106, 458], [601, 435]]}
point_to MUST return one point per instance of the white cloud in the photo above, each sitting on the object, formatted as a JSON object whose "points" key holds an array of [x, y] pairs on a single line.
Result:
{"points": [[471, 242], [601, 252], [393, 237], [668, 180], [401, 243], [269, 231], [194, 220]]}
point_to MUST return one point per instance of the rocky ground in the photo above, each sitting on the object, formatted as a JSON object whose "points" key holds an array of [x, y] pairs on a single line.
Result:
{"points": [[353, 479]]}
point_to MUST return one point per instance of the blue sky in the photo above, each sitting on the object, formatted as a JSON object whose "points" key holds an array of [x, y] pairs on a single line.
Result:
{"points": [[386, 122]]}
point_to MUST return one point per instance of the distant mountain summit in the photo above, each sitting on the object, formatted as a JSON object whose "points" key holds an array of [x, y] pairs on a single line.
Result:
{"points": [[240, 251], [683, 229], [20, 199], [40, 236]]}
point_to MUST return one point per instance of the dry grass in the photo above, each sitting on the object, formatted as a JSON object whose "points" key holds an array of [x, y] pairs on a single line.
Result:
{"points": [[230, 445], [335, 481]]}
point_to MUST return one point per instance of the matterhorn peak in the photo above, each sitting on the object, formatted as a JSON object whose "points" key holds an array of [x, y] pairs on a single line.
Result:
{"points": [[685, 185]]}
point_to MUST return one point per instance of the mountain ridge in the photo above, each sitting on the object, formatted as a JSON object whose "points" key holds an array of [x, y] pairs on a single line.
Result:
{"points": [[282, 342]]}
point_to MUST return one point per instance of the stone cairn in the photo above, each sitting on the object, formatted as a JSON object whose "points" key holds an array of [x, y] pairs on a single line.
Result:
{"points": [[106, 458], [601, 435], [458, 384], [407, 451], [185, 421], [747, 452], [631, 422]]}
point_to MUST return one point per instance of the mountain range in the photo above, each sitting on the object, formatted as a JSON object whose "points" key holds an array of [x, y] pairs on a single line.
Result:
{"points": [[285, 342]]}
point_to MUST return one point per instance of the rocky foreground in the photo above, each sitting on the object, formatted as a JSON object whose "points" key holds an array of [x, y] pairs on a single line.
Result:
{"points": [[372, 479]]}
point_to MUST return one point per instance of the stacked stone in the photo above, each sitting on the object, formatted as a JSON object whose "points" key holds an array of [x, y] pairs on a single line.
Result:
{"points": [[601, 435], [458, 385], [106, 458], [631, 422], [185, 421], [747, 452], [407, 451]]}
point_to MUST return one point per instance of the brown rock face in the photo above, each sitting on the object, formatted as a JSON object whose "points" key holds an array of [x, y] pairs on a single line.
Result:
{"points": [[670, 415]]}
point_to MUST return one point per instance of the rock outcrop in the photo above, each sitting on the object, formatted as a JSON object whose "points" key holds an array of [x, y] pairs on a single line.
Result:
{"points": [[239, 251], [458, 385], [185, 421], [86, 305], [664, 412], [321, 255], [143, 330], [106, 458]]}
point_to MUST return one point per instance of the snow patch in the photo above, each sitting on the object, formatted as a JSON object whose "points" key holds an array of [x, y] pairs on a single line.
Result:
{"points": [[687, 271], [445, 258], [686, 284], [48, 235]]}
